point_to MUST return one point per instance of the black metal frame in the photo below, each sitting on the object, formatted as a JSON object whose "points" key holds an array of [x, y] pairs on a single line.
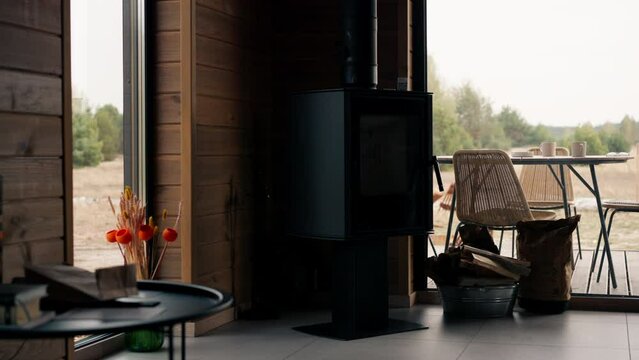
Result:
{"points": [[609, 228], [166, 319]]}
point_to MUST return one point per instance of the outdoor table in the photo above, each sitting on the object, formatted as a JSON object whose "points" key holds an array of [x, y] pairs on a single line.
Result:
{"points": [[568, 161], [178, 303]]}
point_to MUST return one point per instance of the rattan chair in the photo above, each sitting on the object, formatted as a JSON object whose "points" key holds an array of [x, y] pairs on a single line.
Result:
{"points": [[488, 192], [542, 190]]}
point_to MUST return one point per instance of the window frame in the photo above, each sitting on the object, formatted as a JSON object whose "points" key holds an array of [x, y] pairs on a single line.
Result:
{"points": [[135, 41], [135, 88]]}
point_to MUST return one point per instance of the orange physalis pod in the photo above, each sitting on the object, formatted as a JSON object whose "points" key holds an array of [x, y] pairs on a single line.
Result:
{"points": [[123, 236], [145, 232], [169, 234], [110, 236]]}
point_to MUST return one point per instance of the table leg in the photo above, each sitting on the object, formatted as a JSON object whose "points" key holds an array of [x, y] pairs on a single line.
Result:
{"points": [[594, 189], [612, 216], [602, 220], [432, 246], [563, 191], [170, 342], [593, 263], [183, 349], [561, 181], [450, 220]]}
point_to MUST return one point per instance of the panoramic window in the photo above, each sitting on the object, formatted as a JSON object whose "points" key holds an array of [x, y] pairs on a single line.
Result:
{"points": [[511, 75], [98, 127]]}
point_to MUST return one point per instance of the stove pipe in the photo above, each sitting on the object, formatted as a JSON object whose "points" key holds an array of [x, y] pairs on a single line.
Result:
{"points": [[359, 36]]}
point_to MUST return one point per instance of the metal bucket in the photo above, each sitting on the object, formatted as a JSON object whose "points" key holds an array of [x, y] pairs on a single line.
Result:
{"points": [[478, 301]]}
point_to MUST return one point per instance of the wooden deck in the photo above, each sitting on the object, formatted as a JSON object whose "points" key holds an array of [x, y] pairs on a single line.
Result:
{"points": [[583, 282]]}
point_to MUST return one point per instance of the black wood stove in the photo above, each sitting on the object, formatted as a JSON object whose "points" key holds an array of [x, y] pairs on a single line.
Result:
{"points": [[361, 171]]}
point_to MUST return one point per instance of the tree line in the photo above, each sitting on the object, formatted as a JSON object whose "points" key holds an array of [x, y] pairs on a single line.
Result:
{"points": [[97, 135], [464, 119]]}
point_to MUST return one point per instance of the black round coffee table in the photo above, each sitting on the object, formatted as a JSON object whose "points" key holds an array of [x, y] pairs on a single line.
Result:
{"points": [[167, 303]]}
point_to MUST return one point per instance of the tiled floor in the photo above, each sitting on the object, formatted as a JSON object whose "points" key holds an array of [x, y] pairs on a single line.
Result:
{"points": [[572, 335]]}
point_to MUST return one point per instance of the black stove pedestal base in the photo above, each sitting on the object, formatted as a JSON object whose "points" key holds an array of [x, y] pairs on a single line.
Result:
{"points": [[360, 293], [328, 330]]}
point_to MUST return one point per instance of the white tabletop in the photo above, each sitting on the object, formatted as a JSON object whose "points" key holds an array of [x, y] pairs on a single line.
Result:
{"points": [[551, 160]]}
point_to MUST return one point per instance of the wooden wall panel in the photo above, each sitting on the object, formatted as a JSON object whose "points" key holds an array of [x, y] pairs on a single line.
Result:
{"points": [[217, 25], [216, 199], [215, 170], [15, 256], [224, 226], [310, 45], [30, 93], [168, 170], [168, 139], [46, 252], [44, 15], [236, 8], [30, 135], [222, 113], [222, 280], [167, 16], [168, 197], [29, 220], [212, 228], [169, 127], [167, 108], [223, 141], [214, 257], [167, 48], [167, 78], [212, 86], [171, 266], [167, 194], [35, 151], [27, 178], [218, 54], [220, 83], [43, 54]]}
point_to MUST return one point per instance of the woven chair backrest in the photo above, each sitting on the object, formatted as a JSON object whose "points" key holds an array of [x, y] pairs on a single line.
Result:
{"points": [[487, 189], [540, 185]]}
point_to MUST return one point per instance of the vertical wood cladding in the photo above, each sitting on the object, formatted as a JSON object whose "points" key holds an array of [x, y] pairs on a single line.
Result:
{"points": [[168, 126], [34, 125], [229, 57]]}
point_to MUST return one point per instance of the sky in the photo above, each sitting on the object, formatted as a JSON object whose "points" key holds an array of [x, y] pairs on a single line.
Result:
{"points": [[558, 62], [96, 51]]}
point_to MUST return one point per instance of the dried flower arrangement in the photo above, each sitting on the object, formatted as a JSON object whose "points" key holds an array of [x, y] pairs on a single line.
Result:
{"points": [[135, 234]]}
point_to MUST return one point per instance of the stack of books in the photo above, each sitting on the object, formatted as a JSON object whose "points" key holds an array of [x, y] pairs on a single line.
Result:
{"points": [[20, 305]]}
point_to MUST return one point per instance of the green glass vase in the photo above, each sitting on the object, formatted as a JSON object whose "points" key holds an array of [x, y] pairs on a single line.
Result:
{"points": [[144, 340]]}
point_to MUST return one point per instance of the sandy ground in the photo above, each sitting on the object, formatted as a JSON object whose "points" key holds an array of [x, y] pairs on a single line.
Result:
{"points": [[92, 215]]}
